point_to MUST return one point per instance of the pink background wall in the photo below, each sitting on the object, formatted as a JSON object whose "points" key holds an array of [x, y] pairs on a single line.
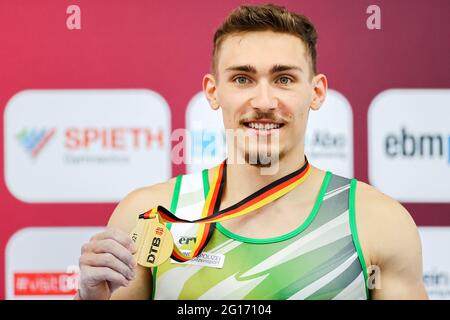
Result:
{"points": [[165, 46]]}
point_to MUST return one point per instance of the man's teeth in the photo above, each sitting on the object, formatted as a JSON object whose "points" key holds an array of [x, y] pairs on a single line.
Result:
{"points": [[264, 126]]}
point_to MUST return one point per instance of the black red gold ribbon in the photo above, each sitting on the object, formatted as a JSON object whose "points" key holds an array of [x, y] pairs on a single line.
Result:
{"points": [[211, 213]]}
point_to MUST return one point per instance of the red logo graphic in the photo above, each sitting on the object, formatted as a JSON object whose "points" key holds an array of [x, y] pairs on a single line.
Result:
{"points": [[45, 284], [34, 140], [159, 231], [113, 138]]}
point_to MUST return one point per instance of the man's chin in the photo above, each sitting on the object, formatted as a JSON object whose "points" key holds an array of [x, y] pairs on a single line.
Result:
{"points": [[261, 160]]}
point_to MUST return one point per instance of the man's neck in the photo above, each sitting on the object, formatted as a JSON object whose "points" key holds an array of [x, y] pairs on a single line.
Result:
{"points": [[244, 179]]}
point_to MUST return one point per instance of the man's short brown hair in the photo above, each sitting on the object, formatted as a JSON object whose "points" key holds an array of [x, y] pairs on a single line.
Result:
{"points": [[267, 17]]}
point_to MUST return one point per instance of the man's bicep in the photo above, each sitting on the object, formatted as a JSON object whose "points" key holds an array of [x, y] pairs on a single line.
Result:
{"points": [[397, 286], [400, 269]]}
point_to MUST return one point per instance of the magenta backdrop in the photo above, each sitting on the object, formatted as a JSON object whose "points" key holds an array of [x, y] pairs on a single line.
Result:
{"points": [[166, 45]]}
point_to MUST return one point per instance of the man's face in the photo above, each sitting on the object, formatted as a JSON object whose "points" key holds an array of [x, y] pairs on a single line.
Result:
{"points": [[264, 87]]}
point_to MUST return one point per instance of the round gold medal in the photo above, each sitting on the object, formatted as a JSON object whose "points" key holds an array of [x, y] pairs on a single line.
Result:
{"points": [[156, 244]]}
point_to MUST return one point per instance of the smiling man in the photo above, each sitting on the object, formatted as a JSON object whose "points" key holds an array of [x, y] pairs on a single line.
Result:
{"points": [[297, 233]]}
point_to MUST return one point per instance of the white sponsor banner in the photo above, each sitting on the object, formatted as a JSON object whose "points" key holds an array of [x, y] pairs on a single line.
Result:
{"points": [[85, 145], [409, 137], [436, 261], [42, 263], [206, 146], [328, 142]]}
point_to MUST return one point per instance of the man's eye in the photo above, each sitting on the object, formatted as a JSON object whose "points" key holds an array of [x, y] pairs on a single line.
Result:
{"points": [[285, 80], [241, 80]]}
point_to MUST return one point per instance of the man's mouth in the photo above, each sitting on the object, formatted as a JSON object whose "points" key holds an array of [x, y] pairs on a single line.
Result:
{"points": [[263, 125]]}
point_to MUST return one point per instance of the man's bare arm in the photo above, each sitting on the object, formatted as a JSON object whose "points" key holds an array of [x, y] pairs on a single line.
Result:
{"points": [[393, 246]]}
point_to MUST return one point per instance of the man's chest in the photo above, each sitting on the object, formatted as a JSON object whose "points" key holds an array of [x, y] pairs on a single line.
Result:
{"points": [[271, 221]]}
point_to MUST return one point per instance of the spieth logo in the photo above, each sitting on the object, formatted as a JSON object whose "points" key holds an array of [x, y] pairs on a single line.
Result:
{"points": [[34, 140], [87, 146], [113, 138], [92, 145], [90, 139]]}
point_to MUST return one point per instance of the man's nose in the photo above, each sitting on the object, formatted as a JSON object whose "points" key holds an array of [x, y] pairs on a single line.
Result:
{"points": [[264, 98]]}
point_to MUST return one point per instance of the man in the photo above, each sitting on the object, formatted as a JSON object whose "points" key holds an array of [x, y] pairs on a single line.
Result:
{"points": [[328, 238]]}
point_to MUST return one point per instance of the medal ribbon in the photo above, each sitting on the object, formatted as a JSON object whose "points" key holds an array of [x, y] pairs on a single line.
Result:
{"points": [[211, 213]]}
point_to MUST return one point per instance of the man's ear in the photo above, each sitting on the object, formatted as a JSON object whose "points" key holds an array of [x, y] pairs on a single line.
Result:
{"points": [[320, 87], [210, 90]]}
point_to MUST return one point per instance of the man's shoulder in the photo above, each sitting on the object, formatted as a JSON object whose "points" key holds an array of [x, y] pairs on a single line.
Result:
{"points": [[377, 204], [141, 200], [384, 224], [159, 192]]}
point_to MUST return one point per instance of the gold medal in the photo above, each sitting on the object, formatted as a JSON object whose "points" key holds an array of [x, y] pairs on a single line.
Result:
{"points": [[154, 242]]}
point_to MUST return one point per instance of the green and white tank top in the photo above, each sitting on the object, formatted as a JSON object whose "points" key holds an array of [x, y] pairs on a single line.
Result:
{"points": [[320, 259]]}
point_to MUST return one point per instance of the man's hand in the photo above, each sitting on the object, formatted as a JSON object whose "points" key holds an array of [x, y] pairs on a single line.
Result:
{"points": [[106, 264], [108, 269]]}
